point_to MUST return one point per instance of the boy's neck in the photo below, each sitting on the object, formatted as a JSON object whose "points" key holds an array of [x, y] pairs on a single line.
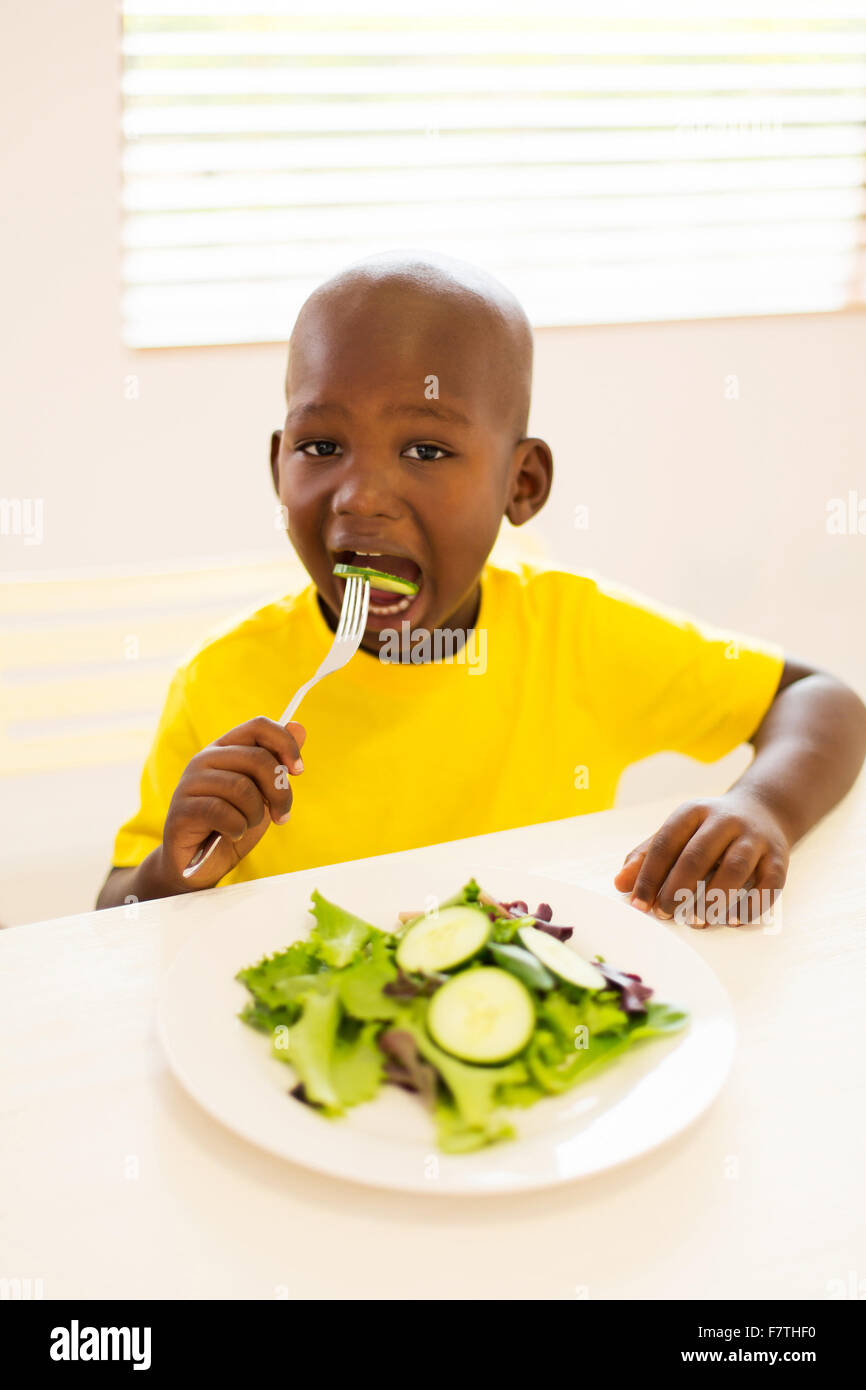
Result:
{"points": [[454, 633]]}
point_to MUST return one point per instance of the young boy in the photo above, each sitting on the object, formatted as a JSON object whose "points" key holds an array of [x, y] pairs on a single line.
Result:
{"points": [[405, 441]]}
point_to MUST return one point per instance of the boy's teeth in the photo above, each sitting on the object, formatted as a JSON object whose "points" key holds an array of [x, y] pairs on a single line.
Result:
{"points": [[382, 608]]}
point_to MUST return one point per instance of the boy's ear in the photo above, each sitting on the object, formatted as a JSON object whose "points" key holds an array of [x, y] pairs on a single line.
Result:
{"points": [[532, 476], [276, 440]]}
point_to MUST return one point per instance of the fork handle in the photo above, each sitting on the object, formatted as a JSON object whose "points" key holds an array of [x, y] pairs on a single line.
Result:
{"points": [[291, 708], [203, 853], [208, 845]]}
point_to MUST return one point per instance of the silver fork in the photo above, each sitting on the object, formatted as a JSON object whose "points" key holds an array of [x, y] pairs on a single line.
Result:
{"points": [[347, 639]]}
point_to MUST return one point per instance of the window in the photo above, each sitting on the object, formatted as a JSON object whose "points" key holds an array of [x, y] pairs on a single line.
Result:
{"points": [[609, 166]]}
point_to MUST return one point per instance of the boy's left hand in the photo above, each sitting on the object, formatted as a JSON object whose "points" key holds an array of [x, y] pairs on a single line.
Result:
{"points": [[729, 842]]}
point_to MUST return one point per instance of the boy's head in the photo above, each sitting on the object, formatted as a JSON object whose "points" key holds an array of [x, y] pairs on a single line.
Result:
{"points": [[408, 393]]}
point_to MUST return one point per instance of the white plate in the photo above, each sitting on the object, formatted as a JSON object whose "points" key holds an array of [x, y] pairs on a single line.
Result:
{"points": [[644, 1098]]}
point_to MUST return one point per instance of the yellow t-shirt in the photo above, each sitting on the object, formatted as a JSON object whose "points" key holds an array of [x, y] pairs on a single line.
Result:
{"points": [[565, 681]]}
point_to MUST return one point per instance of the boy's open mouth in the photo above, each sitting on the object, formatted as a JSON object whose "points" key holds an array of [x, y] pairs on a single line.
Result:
{"points": [[383, 603]]}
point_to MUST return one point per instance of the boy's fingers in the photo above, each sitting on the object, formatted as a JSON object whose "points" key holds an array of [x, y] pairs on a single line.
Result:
{"points": [[664, 850], [769, 879], [694, 864], [256, 767], [624, 879], [276, 738], [233, 786], [736, 868], [771, 872], [214, 813]]}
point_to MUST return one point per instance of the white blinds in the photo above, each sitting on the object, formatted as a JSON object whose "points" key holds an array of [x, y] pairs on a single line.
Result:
{"points": [[612, 162]]}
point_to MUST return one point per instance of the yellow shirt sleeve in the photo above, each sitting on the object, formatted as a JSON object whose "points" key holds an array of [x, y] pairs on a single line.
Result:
{"points": [[174, 743], [670, 682]]}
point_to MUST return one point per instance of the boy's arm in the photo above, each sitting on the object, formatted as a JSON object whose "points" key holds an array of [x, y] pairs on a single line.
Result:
{"points": [[809, 749], [141, 883]]}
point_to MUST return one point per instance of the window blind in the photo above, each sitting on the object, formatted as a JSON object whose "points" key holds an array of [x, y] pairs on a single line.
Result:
{"points": [[608, 165]]}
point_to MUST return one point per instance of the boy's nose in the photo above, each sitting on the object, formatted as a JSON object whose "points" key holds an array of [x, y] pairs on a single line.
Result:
{"points": [[366, 487]]}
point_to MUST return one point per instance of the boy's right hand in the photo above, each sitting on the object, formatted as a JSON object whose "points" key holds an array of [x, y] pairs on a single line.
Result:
{"points": [[236, 786]]}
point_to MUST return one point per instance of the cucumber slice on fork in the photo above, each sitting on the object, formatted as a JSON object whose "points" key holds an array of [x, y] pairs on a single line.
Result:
{"points": [[391, 583]]}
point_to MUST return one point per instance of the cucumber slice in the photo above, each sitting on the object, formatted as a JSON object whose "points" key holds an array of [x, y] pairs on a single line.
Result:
{"points": [[378, 579], [453, 936], [559, 958], [483, 1015]]}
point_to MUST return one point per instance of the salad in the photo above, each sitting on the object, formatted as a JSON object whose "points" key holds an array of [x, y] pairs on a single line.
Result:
{"points": [[476, 1006]]}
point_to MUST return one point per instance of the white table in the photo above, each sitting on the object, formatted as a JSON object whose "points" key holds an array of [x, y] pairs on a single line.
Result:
{"points": [[114, 1184]]}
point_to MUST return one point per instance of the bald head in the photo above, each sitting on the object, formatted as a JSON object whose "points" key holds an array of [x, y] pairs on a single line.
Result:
{"points": [[465, 326], [407, 397]]}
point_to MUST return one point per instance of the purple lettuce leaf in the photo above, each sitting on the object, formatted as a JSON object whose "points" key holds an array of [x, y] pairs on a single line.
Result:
{"points": [[541, 918], [406, 1067], [560, 933], [404, 987], [634, 993], [300, 1094]]}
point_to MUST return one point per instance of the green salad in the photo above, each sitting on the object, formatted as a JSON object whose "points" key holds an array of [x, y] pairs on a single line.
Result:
{"points": [[476, 1006]]}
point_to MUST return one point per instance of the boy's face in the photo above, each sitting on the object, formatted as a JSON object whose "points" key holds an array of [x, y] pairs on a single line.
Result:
{"points": [[401, 438]]}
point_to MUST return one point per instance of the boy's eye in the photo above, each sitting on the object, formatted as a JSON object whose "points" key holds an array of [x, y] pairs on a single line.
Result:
{"points": [[426, 453], [319, 448]]}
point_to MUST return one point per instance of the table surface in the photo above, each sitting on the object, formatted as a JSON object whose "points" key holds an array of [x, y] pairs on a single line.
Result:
{"points": [[113, 1183]]}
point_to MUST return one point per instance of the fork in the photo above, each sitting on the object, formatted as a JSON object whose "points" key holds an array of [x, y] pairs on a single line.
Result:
{"points": [[347, 639]]}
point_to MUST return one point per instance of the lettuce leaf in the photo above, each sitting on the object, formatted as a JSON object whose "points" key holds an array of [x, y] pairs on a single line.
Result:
{"points": [[337, 1059], [357, 1065], [271, 981], [338, 936], [309, 1045], [361, 988], [659, 1018], [633, 992], [467, 895], [597, 1012], [265, 1020], [504, 930], [405, 1067], [522, 1093], [557, 1060], [455, 1136], [473, 1089]]}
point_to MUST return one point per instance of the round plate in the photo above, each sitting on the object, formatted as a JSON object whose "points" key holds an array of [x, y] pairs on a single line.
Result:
{"points": [[640, 1100]]}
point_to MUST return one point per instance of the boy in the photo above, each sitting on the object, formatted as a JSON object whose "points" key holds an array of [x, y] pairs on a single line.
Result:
{"points": [[405, 440]]}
